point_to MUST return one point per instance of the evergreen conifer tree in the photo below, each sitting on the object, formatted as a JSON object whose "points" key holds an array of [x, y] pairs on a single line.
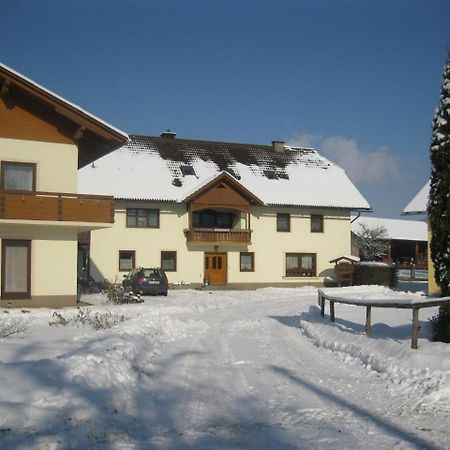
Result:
{"points": [[439, 200]]}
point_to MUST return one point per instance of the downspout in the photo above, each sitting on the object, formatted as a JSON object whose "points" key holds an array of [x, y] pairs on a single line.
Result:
{"points": [[357, 217]]}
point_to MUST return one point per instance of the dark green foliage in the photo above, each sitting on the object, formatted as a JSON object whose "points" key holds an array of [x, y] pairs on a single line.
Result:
{"points": [[439, 199], [375, 273], [441, 325]]}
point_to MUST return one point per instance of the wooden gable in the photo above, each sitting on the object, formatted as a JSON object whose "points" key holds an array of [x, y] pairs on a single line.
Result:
{"points": [[223, 192], [30, 112]]}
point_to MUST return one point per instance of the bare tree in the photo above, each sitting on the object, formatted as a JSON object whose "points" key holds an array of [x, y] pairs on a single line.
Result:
{"points": [[372, 242]]}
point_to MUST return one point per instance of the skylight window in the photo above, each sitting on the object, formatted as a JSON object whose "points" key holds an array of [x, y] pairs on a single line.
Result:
{"points": [[270, 174], [187, 170]]}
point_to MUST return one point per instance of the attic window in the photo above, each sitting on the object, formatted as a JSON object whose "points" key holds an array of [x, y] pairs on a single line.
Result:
{"points": [[187, 170], [221, 186], [233, 173], [270, 174]]}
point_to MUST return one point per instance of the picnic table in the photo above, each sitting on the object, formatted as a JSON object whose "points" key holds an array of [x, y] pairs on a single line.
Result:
{"points": [[345, 296]]}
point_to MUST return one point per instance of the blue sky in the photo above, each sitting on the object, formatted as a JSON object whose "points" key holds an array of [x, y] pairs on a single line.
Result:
{"points": [[359, 80]]}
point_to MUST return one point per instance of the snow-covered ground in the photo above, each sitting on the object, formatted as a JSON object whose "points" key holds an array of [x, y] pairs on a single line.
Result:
{"points": [[225, 369]]}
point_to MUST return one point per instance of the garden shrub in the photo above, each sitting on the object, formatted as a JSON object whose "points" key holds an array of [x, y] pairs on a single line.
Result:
{"points": [[381, 274], [441, 325]]}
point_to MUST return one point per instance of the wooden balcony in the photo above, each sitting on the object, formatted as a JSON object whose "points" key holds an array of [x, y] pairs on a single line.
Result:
{"points": [[25, 205], [218, 236]]}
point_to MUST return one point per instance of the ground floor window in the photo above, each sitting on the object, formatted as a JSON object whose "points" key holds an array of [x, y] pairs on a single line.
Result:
{"points": [[300, 264], [247, 262], [16, 269], [169, 261], [127, 260]]}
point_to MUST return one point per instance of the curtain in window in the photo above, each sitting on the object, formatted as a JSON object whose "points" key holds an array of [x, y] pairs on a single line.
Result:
{"points": [[307, 262], [19, 177], [291, 262], [16, 268]]}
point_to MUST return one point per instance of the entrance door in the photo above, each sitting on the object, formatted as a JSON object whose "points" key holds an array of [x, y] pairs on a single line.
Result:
{"points": [[216, 268]]}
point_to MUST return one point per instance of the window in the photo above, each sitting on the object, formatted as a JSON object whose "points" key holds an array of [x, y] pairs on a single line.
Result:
{"points": [[212, 219], [316, 224], [18, 176], [270, 174], [16, 269], [283, 222], [300, 264], [169, 261], [127, 260], [247, 262], [142, 218], [187, 170]]}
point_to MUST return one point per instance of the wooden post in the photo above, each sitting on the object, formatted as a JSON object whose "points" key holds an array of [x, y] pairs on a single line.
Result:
{"points": [[332, 317], [322, 306], [368, 320], [415, 328]]}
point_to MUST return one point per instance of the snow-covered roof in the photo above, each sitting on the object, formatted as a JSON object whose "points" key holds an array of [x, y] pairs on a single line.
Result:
{"points": [[418, 205], [408, 230], [61, 99], [150, 168]]}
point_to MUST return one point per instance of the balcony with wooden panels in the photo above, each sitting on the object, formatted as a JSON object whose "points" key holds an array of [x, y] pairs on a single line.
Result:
{"points": [[218, 236], [52, 206]]}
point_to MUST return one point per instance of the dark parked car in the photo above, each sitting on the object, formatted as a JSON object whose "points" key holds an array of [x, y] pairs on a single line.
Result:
{"points": [[146, 281]]}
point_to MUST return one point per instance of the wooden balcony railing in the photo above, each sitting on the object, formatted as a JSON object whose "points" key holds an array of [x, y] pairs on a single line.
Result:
{"points": [[25, 205], [218, 236]]}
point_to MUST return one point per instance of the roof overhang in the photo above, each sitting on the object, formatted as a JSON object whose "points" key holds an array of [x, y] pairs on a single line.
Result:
{"points": [[93, 136]]}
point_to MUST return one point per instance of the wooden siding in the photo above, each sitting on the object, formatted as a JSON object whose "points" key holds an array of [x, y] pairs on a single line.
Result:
{"points": [[56, 207], [218, 236], [20, 119]]}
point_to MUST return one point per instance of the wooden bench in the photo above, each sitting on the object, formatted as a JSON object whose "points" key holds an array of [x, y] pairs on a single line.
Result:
{"points": [[412, 303]]}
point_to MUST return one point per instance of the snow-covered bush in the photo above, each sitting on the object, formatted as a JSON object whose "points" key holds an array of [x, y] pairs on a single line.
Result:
{"points": [[12, 326], [381, 274], [118, 295], [84, 317], [441, 326], [372, 242]]}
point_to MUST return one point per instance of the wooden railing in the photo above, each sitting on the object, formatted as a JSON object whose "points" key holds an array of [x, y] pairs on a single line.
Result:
{"points": [[25, 205], [209, 236]]}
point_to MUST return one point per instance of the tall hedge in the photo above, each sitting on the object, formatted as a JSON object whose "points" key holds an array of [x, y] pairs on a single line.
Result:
{"points": [[439, 199]]}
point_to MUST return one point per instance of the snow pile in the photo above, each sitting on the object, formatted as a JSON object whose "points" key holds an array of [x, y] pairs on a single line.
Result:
{"points": [[421, 375]]}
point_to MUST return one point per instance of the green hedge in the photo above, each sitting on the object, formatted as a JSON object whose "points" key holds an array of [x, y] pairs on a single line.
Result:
{"points": [[375, 273]]}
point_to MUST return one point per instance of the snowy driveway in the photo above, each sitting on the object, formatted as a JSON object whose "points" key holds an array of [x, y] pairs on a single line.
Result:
{"points": [[234, 370]]}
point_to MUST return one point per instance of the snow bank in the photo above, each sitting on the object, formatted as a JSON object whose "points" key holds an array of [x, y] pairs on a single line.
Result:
{"points": [[422, 375]]}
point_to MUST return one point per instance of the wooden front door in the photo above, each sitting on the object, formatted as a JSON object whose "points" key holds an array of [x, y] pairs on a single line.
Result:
{"points": [[216, 268]]}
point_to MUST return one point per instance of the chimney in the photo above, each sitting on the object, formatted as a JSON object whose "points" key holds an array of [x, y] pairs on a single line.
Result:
{"points": [[168, 134], [278, 146]]}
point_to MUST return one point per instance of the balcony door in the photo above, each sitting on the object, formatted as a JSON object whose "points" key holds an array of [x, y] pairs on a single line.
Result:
{"points": [[216, 268]]}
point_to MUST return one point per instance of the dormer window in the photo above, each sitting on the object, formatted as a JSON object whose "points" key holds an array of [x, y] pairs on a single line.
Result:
{"points": [[187, 170], [18, 176], [270, 174]]}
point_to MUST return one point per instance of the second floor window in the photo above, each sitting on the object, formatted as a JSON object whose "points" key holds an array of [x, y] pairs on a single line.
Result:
{"points": [[18, 176], [283, 222], [142, 218], [316, 224]]}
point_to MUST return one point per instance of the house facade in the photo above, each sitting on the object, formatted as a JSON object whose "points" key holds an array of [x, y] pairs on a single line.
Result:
{"points": [[44, 140], [221, 213], [418, 206]]}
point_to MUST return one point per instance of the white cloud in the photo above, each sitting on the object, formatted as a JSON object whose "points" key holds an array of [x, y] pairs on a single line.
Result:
{"points": [[360, 165]]}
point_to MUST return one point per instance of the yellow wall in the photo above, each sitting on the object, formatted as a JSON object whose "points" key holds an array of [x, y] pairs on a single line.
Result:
{"points": [[433, 288], [269, 245], [57, 164], [53, 262]]}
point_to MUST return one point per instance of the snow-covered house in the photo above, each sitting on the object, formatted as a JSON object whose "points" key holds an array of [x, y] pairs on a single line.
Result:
{"points": [[418, 206], [44, 139], [221, 213], [407, 239]]}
